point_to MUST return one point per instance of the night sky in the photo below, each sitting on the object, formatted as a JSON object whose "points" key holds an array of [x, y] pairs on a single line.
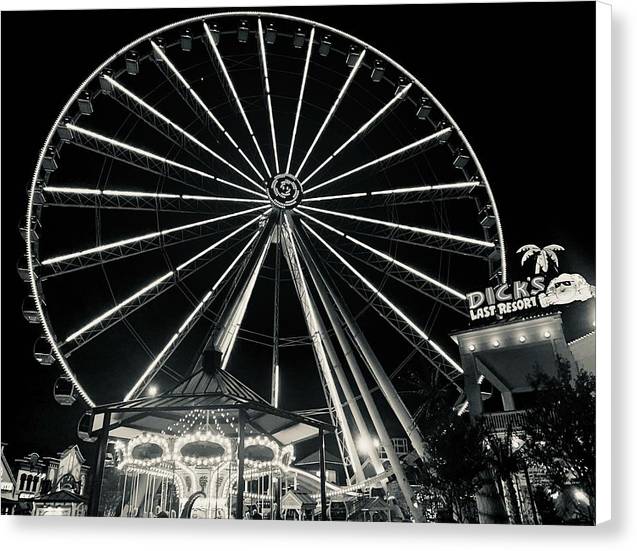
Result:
{"points": [[518, 79]]}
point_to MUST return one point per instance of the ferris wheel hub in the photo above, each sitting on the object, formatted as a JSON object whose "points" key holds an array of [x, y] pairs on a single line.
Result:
{"points": [[285, 191]]}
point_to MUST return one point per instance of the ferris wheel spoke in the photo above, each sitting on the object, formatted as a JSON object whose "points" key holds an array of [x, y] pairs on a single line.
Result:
{"points": [[197, 105], [143, 296], [266, 79], [164, 125], [300, 101], [332, 110], [401, 272], [416, 235], [429, 350], [388, 310], [396, 156], [146, 160], [401, 196], [135, 245], [48, 271], [228, 331], [190, 321], [377, 117], [62, 196], [218, 60]]}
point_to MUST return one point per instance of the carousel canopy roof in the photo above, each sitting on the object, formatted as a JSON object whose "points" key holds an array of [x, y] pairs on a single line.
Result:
{"points": [[213, 391]]}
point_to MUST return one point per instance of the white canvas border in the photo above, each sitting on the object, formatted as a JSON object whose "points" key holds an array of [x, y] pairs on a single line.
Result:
{"points": [[99, 534], [603, 247]]}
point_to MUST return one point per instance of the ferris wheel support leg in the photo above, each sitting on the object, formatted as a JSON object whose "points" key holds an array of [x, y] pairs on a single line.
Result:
{"points": [[382, 379], [312, 319], [351, 360], [359, 421], [331, 305], [345, 387], [274, 391]]}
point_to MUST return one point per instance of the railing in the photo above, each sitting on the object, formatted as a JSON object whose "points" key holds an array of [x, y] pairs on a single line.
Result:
{"points": [[400, 445], [502, 420]]}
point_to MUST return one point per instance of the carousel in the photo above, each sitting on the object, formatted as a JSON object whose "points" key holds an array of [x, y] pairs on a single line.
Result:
{"points": [[209, 448]]}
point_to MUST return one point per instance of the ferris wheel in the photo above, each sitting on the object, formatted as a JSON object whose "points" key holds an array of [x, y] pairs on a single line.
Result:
{"points": [[237, 159]]}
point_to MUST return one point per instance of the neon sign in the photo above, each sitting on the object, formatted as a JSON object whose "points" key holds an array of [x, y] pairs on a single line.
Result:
{"points": [[505, 299], [519, 296]]}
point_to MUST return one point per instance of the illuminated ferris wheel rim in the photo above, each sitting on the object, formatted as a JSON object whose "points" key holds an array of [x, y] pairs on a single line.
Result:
{"points": [[202, 18]]}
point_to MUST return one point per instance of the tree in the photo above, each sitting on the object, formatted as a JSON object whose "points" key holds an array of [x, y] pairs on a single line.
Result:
{"points": [[452, 472], [506, 457], [543, 256], [560, 435]]}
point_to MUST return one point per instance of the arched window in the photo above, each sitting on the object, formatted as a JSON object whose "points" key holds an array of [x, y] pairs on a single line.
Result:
{"points": [[23, 480], [29, 482]]}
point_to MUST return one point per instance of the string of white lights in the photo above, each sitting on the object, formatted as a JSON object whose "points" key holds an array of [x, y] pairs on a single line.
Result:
{"points": [[230, 329], [184, 327], [415, 229], [388, 106], [237, 100], [417, 189], [336, 197], [203, 105], [118, 307], [382, 296], [431, 138], [146, 194], [179, 129], [156, 157], [332, 110], [108, 313], [389, 259], [397, 191], [147, 236], [266, 78], [277, 386], [300, 102]]}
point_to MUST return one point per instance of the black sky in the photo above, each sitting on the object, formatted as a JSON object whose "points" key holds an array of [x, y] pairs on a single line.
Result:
{"points": [[518, 79]]}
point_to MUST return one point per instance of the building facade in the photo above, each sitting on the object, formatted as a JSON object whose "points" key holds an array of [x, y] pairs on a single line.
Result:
{"points": [[48, 485]]}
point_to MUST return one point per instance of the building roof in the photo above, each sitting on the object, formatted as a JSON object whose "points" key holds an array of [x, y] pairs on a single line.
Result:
{"points": [[76, 449], [59, 496], [313, 459], [293, 499], [219, 382], [375, 504], [216, 390], [504, 324]]}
